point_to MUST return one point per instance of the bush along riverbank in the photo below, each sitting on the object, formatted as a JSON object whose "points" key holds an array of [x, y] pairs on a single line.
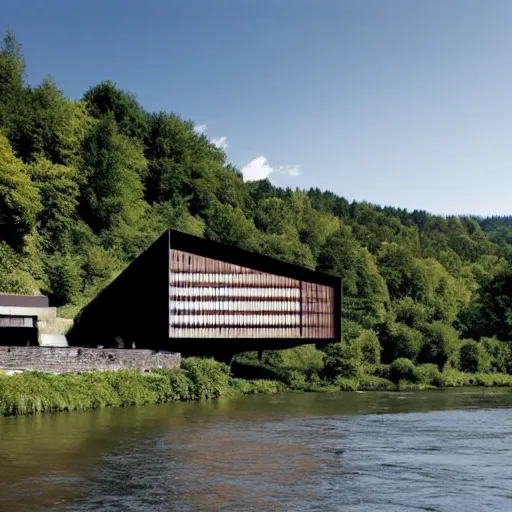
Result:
{"points": [[356, 365], [198, 379], [351, 366]]}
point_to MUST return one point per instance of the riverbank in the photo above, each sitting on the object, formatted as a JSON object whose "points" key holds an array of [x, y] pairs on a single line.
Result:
{"points": [[199, 379]]}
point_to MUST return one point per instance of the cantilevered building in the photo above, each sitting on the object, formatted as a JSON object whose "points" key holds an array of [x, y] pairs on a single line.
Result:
{"points": [[196, 296]]}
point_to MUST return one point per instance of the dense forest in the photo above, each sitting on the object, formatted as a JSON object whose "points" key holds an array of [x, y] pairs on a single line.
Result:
{"points": [[85, 186]]}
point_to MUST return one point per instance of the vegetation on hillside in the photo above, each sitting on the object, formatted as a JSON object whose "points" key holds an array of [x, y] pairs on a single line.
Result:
{"points": [[85, 186]]}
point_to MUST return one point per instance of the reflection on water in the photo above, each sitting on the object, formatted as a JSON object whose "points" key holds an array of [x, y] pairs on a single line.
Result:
{"points": [[435, 450]]}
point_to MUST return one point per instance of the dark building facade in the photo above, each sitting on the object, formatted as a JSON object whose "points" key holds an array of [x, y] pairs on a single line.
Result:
{"points": [[196, 296]]}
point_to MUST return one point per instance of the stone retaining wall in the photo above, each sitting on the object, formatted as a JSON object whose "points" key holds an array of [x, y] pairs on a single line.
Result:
{"points": [[77, 359]]}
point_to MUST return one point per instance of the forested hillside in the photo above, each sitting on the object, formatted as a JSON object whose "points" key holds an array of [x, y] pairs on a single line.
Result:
{"points": [[86, 185]]}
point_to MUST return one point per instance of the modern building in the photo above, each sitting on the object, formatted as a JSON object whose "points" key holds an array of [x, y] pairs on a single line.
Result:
{"points": [[191, 295]]}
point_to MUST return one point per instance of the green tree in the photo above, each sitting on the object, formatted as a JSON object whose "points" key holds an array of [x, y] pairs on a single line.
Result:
{"points": [[229, 225], [409, 312], [274, 216], [64, 275], [175, 215], [112, 167], [403, 369], [496, 306], [365, 293], [368, 347], [499, 353], [399, 341], [440, 342], [15, 274], [98, 267], [401, 272], [105, 98], [473, 358], [19, 198], [183, 164], [12, 79], [58, 189], [287, 248], [51, 126]]}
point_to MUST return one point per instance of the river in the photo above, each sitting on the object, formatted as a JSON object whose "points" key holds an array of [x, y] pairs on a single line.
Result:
{"points": [[443, 450]]}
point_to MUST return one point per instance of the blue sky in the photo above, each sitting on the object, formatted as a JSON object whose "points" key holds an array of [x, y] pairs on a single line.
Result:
{"points": [[397, 102]]}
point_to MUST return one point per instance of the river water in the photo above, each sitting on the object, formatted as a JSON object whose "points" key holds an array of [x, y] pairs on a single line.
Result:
{"points": [[447, 450]]}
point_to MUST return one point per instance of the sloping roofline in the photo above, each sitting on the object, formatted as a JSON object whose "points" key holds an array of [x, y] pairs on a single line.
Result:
{"points": [[244, 258]]}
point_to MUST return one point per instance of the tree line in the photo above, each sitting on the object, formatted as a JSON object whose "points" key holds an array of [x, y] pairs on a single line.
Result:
{"points": [[86, 186]]}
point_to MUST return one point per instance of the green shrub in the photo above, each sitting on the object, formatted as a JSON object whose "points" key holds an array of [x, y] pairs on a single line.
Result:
{"points": [[305, 358], [294, 379], [209, 378], [429, 374], [345, 384], [341, 360], [400, 341], [381, 370], [500, 354], [254, 387], [253, 370], [272, 358], [440, 342], [409, 312], [373, 383], [337, 350], [368, 347], [494, 379], [402, 369], [64, 278], [350, 330], [15, 276], [315, 381], [406, 342], [456, 378], [99, 265], [338, 367], [31, 392], [180, 385], [473, 358], [405, 385]]}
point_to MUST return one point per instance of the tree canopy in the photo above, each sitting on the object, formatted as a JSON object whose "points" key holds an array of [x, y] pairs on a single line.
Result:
{"points": [[86, 185]]}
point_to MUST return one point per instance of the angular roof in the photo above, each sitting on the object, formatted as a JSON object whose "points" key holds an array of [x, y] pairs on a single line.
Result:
{"points": [[23, 301]]}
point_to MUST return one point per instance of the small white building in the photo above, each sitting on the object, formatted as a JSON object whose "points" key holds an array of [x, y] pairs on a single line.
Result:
{"points": [[28, 320]]}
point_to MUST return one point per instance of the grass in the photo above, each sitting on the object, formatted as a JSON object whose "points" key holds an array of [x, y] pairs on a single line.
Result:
{"points": [[207, 379], [198, 379]]}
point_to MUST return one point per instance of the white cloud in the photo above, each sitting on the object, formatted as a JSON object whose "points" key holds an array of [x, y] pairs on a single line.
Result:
{"points": [[290, 170], [220, 142], [201, 129], [257, 169], [260, 169]]}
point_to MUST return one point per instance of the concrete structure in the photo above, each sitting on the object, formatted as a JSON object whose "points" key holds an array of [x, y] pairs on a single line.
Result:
{"points": [[28, 320], [74, 359], [195, 296]]}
